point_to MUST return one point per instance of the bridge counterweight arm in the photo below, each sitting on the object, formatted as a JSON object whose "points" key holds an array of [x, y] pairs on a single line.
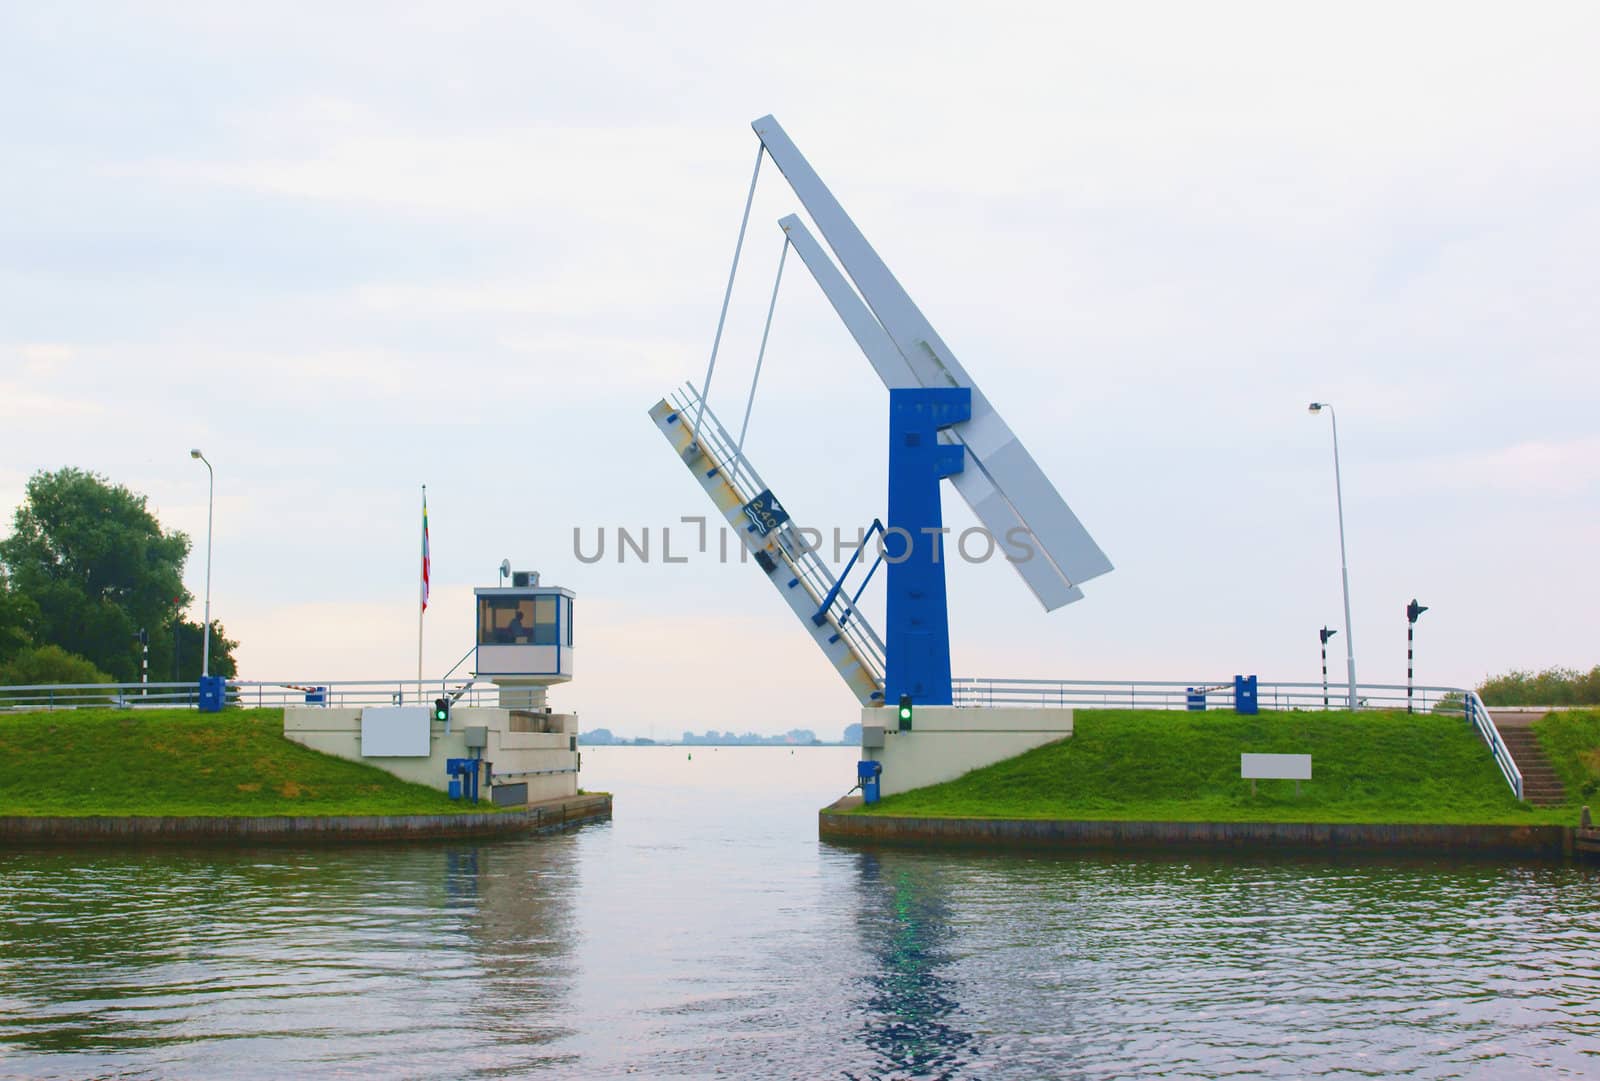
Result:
{"points": [[1014, 477]]}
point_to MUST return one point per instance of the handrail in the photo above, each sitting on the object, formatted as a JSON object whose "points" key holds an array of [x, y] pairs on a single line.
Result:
{"points": [[814, 574], [1174, 694], [245, 692], [1479, 717]]}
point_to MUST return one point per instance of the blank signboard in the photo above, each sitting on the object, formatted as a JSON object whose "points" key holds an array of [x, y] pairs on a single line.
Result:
{"points": [[396, 732], [1285, 767]]}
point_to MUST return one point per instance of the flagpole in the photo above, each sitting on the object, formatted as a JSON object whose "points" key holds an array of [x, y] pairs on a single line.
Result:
{"points": [[422, 589]]}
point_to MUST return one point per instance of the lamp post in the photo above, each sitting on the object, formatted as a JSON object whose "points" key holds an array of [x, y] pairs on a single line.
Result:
{"points": [[211, 491], [1344, 564]]}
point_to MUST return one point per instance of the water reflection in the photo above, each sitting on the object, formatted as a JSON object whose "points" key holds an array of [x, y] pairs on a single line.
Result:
{"points": [[259, 963], [903, 919], [707, 933]]}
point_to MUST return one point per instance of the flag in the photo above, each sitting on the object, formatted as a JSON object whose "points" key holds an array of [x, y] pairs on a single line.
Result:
{"points": [[424, 549]]}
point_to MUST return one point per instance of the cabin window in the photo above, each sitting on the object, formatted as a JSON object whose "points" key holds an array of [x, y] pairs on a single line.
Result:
{"points": [[569, 623], [506, 621], [544, 621]]}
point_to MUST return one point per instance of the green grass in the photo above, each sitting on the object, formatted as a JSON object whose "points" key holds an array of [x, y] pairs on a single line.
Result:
{"points": [[1178, 766], [179, 762], [1571, 739]]}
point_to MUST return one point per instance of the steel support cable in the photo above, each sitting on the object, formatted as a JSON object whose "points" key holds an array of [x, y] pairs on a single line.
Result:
{"points": [[772, 306], [738, 246]]}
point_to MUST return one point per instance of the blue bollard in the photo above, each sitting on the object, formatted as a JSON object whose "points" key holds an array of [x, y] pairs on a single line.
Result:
{"points": [[867, 774], [463, 777]]}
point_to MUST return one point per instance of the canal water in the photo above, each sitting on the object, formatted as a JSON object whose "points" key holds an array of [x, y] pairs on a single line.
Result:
{"points": [[706, 932]]}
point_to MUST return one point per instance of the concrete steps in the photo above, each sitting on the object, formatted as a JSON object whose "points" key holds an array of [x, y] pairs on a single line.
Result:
{"points": [[1540, 785]]}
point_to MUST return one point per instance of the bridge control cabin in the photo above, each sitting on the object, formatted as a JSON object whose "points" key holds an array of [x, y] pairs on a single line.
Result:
{"points": [[524, 637], [516, 751]]}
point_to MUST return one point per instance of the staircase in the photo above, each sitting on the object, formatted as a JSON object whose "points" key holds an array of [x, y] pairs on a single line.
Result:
{"points": [[807, 584], [1540, 785]]}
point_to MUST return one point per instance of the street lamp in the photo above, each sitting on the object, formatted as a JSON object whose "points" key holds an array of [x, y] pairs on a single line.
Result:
{"points": [[1344, 565], [211, 491]]}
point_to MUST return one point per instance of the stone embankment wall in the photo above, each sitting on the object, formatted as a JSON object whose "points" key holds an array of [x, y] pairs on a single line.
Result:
{"points": [[153, 829], [1532, 842]]}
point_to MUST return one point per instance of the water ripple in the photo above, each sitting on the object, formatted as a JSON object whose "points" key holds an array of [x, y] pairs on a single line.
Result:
{"points": [[706, 933]]}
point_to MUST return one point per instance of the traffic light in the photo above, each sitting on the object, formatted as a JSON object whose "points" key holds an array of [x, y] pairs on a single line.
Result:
{"points": [[441, 709], [905, 713], [1413, 610], [1326, 634]]}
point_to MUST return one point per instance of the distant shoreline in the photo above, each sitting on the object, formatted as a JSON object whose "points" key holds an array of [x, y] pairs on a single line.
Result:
{"points": [[774, 746]]}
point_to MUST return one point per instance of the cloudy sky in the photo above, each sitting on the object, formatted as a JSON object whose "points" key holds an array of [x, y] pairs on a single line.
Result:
{"points": [[351, 249]]}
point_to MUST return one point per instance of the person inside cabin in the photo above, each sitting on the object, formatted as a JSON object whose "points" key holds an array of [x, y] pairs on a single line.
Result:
{"points": [[517, 632]]}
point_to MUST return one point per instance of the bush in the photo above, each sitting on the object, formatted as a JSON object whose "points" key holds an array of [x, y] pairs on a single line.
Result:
{"points": [[49, 664], [1552, 687]]}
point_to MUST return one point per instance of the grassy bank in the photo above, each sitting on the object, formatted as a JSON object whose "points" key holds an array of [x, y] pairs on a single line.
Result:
{"points": [[1572, 740], [179, 762], [1179, 766]]}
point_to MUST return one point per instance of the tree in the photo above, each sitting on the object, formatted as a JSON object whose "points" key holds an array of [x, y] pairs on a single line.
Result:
{"points": [[1551, 687], [18, 615], [190, 639], [49, 664], [99, 567]]}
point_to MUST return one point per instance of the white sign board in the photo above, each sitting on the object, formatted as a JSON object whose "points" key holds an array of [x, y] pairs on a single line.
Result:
{"points": [[396, 732], [1278, 767]]}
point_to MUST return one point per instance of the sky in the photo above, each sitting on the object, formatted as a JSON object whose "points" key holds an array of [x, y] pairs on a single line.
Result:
{"points": [[350, 249]]}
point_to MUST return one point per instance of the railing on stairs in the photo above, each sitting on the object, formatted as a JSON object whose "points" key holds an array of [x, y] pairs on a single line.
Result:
{"points": [[830, 605], [1478, 716]]}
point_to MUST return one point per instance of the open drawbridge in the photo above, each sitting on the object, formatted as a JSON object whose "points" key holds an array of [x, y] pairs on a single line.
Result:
{"points": [[941, 427], [774, 543]]}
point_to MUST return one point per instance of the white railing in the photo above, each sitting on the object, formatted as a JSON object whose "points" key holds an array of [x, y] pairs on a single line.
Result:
{"points": [[119, 695], [250, 693], [1478, 716], [809, 567], [1176, 694]]}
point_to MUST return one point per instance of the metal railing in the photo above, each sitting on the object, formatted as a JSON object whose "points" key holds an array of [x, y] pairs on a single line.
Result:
{"points": [[818, 579], [115, 695], [1174, 694], [250, 693], [1478, 715]]}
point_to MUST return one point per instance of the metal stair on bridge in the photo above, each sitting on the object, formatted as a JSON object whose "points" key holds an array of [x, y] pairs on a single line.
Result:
{"points": [[804, 580], [1540, 784]]}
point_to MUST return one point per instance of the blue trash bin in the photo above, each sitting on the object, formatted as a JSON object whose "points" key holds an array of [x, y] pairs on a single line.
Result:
{"points": [[212, 691], [867, 774], [1244, 695]]}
